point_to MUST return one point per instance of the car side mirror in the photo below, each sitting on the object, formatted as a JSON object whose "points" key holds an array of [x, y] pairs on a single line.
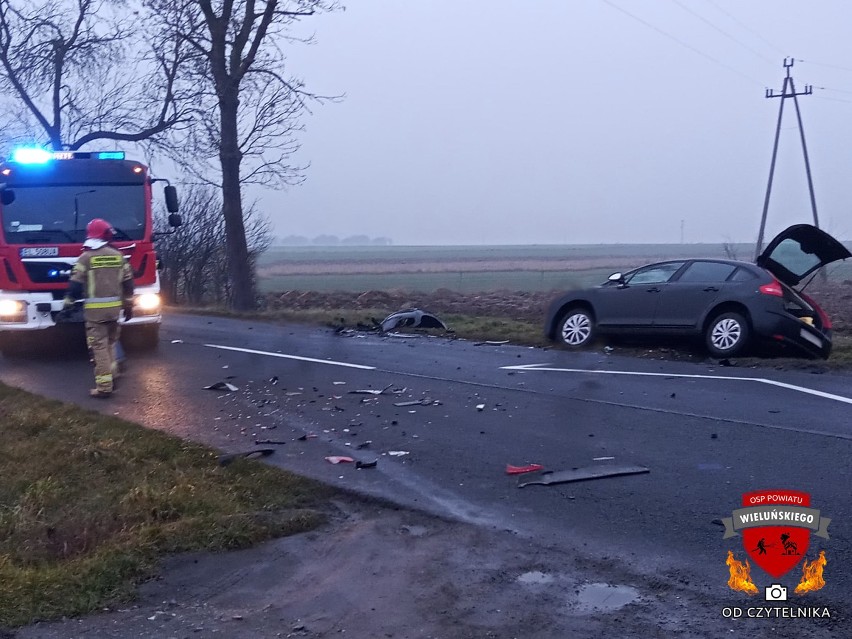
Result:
{"points": [[7, 196], [618, 278], [175, 220], [171, 201]]}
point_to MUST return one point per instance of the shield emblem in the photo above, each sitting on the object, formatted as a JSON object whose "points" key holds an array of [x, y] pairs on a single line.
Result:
{"points": [[777, 549]]}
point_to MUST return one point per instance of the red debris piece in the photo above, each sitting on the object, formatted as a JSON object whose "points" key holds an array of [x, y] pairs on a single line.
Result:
{"points": [[336, 459], [519, 470]]}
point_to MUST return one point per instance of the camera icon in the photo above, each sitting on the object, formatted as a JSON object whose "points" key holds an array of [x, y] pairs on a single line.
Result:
{"points": [[775, 592]]}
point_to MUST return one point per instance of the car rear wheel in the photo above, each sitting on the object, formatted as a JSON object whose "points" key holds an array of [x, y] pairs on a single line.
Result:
{"points": [[727, 335], [576, 328]]}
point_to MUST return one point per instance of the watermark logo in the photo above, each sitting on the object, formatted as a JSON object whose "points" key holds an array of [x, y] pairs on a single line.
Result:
{"points": [[776, 527]]}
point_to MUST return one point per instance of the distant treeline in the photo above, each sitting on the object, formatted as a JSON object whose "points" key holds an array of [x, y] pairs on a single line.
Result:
{"points": [[333, 240]]}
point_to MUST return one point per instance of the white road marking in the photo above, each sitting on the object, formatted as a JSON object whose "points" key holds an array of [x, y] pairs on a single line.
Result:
{"points": [[761, 380], [296, 357]]}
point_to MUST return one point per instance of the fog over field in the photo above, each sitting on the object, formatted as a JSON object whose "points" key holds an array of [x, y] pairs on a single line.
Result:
{"points": [[581, 121]]}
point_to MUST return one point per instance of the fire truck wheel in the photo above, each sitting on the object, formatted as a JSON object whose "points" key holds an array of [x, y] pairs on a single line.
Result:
{"points": [[14, 345], [141, 338]]}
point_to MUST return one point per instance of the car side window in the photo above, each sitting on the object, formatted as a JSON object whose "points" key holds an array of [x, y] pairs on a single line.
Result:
{"points": [[706, 272], [656, 274]]}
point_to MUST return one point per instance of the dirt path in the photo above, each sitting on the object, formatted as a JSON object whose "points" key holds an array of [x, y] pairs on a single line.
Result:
{"points": [[374, 572]]}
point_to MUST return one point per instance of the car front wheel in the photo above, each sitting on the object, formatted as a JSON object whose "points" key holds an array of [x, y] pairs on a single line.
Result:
{"points": [[576, 328], [727, 335]]}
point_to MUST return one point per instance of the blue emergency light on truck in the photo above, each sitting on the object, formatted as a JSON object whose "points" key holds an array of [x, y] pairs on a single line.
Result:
{"points": [[46, 200]]}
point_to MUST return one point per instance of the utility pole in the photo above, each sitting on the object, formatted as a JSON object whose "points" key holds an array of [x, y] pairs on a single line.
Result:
{"points": [[787, 91]]}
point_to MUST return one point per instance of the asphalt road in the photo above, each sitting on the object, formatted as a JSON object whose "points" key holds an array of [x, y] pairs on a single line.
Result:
{"points": [[707, 433]]}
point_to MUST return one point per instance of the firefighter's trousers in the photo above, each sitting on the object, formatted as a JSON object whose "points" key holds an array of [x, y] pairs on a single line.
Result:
{"points": [[101, 338]]}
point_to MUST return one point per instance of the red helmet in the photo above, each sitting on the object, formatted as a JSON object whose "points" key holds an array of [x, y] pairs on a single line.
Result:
{"points": [[99, 229]]}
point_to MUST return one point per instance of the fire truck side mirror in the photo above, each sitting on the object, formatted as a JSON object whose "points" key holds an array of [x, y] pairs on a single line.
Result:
{"points": [[171, 201], [175, 220], [7, 196]]}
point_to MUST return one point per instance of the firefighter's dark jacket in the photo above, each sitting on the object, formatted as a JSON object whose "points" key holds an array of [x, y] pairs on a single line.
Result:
{"points": [[104, 280]]}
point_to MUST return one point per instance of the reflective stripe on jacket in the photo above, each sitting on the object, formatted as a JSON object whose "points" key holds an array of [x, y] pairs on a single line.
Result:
{"points": [[102, 272]]}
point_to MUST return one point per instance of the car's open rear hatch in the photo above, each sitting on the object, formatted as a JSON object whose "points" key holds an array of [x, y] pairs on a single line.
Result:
{"points": [[800, 250]]}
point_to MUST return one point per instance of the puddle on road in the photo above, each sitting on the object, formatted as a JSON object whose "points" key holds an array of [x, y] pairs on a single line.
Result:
{"points": [[535, 577], [605, 597]]}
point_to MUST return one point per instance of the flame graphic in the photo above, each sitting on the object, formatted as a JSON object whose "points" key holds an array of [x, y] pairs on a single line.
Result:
{"points": [[812, 575], [740, 575]]}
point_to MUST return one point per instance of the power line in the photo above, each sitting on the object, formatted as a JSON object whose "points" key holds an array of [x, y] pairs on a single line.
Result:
{"points": [[825, 64], [722, 31], [824, 97], [746, 27], [833, 90], [682, 43]]}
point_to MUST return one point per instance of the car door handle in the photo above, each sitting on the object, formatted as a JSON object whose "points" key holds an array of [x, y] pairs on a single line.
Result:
{"points": [[715, 289], [653, 289]]}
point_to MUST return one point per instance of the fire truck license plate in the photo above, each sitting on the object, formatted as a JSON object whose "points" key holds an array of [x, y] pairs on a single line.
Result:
{"points": [[40, 251]]}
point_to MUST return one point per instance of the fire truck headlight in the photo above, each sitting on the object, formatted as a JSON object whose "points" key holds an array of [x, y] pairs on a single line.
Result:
{"points": [[147, 302], [13, 311]]}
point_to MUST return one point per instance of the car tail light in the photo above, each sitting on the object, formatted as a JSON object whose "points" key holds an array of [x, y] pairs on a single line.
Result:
{"points": [[773, 288], [825, 319]]}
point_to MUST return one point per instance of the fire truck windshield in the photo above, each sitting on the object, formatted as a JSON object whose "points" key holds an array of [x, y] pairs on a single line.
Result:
{"points": [[43, 214]]}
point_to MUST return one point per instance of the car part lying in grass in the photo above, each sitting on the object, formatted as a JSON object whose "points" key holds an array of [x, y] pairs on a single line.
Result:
{"points": [[227, 458], [411, 318], [582, 474]]}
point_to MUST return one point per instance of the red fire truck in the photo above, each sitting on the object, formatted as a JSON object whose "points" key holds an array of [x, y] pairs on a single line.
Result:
{"points": [[46, 200]]}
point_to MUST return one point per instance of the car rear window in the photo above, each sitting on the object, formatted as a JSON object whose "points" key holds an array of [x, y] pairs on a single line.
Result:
{"points": [[742, 275], [706, 272]]}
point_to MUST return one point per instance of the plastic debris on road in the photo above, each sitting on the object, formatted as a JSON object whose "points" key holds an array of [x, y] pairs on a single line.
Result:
{"points": [[519, 470], [419, 402], [221, 386], [339, 459], [398, 453], [581, 474], [370, 391], [480, 407], [369, 464]]}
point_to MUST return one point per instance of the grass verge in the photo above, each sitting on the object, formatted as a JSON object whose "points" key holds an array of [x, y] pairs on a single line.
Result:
{"points": [[472, 327], [89, 502]]}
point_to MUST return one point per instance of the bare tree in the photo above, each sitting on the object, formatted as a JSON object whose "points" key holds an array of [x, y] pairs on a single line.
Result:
{"points": [[193, 262], [250, 114], [77, 71]]}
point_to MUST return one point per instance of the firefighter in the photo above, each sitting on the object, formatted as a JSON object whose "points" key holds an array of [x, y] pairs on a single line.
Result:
{"points": [[104, 280]]}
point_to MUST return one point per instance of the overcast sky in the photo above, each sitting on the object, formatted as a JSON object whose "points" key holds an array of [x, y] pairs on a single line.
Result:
{"points": [[570, 121]]}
